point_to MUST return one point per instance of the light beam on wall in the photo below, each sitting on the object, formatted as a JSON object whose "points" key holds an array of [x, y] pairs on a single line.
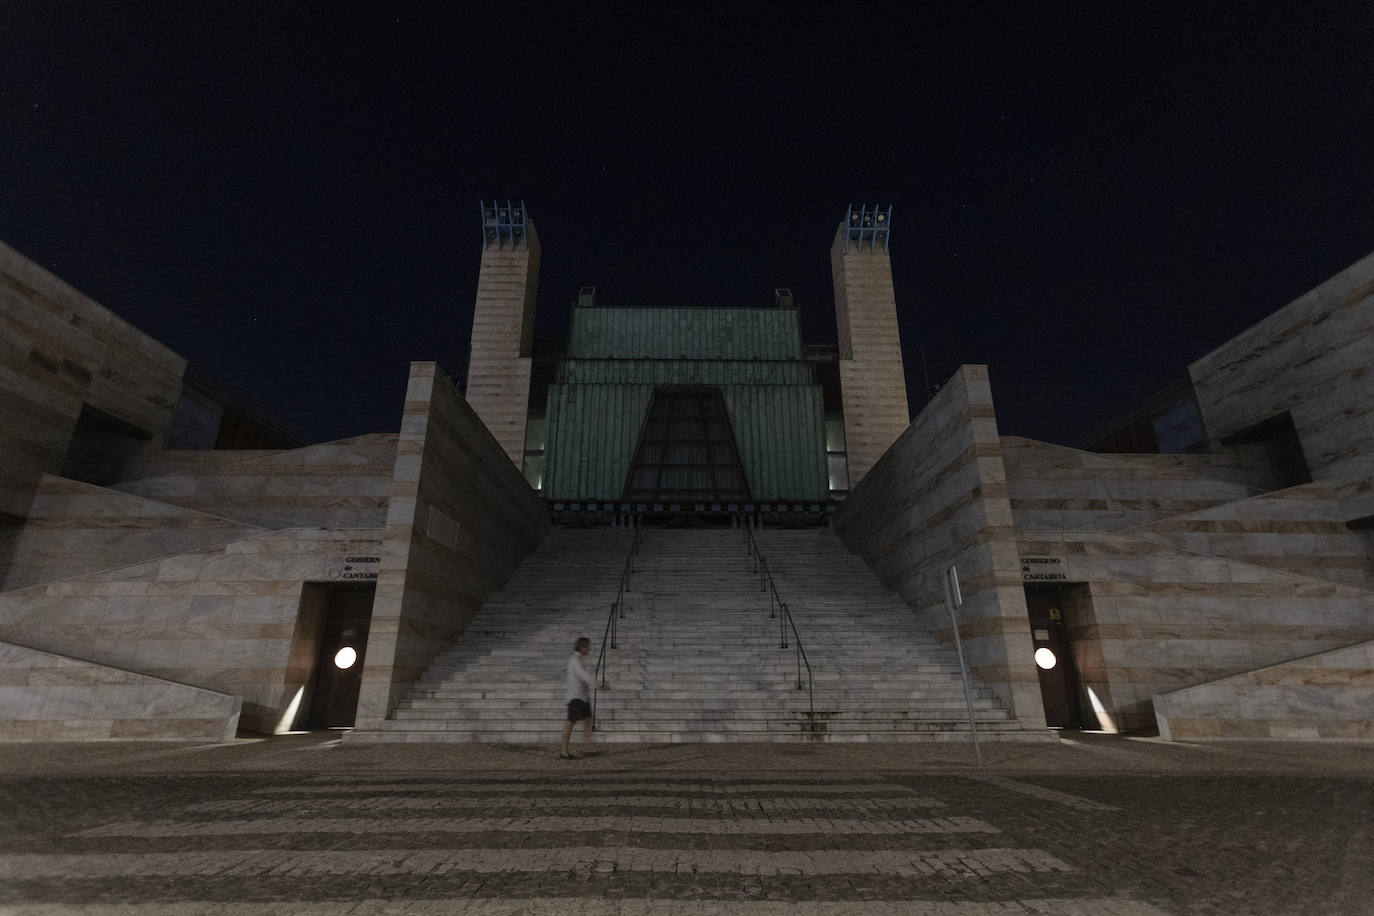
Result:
{"points": [[284, 725]]}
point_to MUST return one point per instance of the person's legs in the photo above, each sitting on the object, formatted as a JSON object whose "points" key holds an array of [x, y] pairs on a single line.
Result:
{"points": [[567, 734]]}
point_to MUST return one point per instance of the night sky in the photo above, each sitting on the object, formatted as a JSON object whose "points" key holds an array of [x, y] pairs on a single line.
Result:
{"points": [[1086, 196]]}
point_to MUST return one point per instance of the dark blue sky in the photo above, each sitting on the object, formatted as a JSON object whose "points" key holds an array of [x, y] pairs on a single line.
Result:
{"points": [[1086, 197]]}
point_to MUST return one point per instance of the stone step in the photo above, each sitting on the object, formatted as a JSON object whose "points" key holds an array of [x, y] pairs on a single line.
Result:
{"points": [[699, 656]]}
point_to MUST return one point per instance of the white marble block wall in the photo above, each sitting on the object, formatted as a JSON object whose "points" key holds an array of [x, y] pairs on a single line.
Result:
{"points": [[1158, 618], [341, 484], [48, 697], [1053, 487], [223, 617], [1325, 696], [75, 528]]}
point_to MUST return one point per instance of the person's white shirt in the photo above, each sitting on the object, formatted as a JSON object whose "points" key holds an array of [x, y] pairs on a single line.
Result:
{"points": [[580, 683]]}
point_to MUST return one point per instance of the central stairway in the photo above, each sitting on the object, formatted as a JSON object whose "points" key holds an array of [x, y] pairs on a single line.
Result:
{"points": [[699, 657]]}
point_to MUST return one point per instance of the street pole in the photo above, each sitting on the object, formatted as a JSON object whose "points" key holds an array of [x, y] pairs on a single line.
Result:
{"points": [[953, 600]]}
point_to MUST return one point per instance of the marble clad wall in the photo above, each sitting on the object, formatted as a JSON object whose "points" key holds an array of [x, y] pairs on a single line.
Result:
{"points": [[1053, 487], [58, 350], [939, 497], [1157, 618], [461, 519], [1301, 529], [1311, 358], [1330, 695], [75, 528], [47, 697], [223, 618], [341, 484]]}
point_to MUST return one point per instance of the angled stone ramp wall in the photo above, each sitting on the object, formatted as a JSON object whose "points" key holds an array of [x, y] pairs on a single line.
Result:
{"points": [[1301, 529], [50, 697], [1311, 360], [1325, 696], [341, 484], [460, 519], [62, 351], [1147, 618], [1053, 487], [75, 529], [227, 618], [938, 497]]}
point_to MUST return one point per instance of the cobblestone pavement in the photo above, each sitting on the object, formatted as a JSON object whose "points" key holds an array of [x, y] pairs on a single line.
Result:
{"points": [[1093, 825]]}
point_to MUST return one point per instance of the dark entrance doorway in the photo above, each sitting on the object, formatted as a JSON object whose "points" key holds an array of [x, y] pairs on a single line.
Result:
{"points": [[1059, 682], [343, 646], [686, 452]]}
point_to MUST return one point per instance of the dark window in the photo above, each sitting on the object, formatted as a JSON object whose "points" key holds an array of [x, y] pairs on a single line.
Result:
{"points": [[686, 451]]}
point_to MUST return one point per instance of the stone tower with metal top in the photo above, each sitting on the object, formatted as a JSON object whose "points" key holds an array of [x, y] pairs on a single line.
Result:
{"points": [[498, 383], [872, 382]]}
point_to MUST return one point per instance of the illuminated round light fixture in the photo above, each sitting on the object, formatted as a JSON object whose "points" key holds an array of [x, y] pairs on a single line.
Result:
{"points": [[346, 656], [1045, 658]]}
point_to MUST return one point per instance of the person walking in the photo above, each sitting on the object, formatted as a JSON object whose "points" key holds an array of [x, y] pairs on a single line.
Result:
{"points": [[579, 688]]}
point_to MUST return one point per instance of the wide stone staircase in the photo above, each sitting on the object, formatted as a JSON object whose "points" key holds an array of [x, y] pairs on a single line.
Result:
{"points": [[699, 657]]}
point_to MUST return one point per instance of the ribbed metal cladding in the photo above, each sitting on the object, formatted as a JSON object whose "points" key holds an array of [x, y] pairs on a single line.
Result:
{"points": [[593, 430], [592, 433], [685, 372], [780, 431], [684, 333], [616, 357]]}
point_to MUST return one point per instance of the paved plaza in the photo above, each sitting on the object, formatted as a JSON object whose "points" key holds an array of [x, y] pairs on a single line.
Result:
{"points": [[306, 824]]}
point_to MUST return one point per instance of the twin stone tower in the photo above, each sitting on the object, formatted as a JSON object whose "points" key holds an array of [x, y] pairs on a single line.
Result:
{"points": [[800, 427]]}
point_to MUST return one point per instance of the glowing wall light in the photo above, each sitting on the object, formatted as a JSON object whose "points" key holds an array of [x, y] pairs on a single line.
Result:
{"points": [[1045, 658], [345, 658]]}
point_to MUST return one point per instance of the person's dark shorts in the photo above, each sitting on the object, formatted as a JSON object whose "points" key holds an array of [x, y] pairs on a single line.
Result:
{"points": [[578, 710]]}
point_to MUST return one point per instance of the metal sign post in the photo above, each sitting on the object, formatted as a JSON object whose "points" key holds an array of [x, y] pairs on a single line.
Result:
{"points": [[953, 600]]}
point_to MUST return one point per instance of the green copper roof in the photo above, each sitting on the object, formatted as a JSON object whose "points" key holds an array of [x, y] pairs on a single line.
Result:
{"points": [[684, 333]]}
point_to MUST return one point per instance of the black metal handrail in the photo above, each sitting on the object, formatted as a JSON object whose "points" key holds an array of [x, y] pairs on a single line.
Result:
{"points": [[617, 611], [785, 622]]}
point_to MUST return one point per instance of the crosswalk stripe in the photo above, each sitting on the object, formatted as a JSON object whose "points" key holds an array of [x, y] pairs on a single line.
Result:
{"points": [[588, 860], [1062, 798], [580, 786], [562, 906], [736, 807], [527, 825]]}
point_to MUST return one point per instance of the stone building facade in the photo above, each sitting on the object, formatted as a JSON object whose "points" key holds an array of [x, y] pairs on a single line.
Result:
{"points": [[1225, 590]]}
